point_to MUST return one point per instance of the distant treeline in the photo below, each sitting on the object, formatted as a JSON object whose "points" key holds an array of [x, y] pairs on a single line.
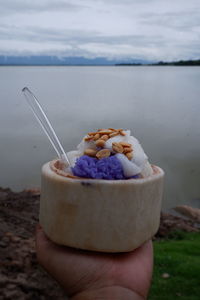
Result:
{"points": [[163, 63], [179, 63]]}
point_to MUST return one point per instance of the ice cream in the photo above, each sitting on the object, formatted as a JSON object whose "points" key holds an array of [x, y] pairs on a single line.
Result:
{"points": [[109, 154], [108, 199]]}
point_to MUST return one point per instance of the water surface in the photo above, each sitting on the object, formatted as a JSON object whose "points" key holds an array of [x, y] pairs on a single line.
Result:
{"points": [[159, 104]]}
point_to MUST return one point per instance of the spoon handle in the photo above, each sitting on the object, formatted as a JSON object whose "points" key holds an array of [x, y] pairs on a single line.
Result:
{"points": [[44, 122]]}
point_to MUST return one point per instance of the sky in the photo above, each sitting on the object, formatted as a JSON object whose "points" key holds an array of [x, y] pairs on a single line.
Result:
{"points": [[116, 29]]}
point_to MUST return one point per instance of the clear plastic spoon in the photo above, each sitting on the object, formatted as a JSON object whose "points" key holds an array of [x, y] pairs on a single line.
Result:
{"points": [[44, 122]]}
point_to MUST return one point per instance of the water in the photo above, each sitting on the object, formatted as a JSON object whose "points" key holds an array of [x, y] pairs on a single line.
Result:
{"points": [[159, 104]]}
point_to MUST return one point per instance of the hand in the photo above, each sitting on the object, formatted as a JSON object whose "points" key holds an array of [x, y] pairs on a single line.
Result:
{"points": [[93, 275]]}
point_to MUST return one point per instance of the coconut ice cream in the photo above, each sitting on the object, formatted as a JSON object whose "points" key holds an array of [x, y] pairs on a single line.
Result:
{"points": [[108, 199], [109, 154]]}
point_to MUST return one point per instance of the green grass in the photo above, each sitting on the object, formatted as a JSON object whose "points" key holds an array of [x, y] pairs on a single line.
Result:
{"points": [[178, 256]]}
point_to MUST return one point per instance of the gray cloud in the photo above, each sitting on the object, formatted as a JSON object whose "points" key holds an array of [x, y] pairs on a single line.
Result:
{"points": [[78, 42], [112, 28], [63, 36], [177, 20], [36, 6]]}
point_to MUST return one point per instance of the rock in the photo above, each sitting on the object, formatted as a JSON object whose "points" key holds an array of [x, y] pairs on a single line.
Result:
{"points": [[190, 212], [20, 275], [3, 195], [11, 286], [13, 294], [8, 234], [15, 239], [3, 244], [3, 280], [33, 192], [165, 275], [170, 223]]}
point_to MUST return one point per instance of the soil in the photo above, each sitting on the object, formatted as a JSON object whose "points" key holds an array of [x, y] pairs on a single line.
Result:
{"points": [[20, 275]]}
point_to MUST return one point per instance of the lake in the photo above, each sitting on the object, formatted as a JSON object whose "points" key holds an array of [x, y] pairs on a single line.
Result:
{"points": [[161, 106]]}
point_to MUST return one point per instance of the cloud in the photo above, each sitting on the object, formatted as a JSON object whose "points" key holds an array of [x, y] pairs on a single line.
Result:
{"points": [[39, 34], [75, 42], [27, 6], [111, 28], [181, 20]]}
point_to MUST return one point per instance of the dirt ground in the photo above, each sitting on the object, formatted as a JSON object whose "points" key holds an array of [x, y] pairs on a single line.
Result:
{"points": [[20, 275]]}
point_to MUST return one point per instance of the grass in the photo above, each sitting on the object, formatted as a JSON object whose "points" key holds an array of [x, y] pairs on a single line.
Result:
{"points": [[178, 256]]}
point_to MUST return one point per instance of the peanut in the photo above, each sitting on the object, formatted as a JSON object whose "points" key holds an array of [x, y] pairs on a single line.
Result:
{"points": [[117, 147], [104, 137], [129, 155], [105, 131], [96, 136], [103, 153], [90, 152], [127, 149], [88, 138], [112, 129], [121, 132], [91, 133], [100, 143], [124, 144], [113, 134]]}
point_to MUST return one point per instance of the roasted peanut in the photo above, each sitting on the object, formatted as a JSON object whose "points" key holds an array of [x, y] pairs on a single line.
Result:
{"points": [[91, 133], [90, 152], [96, 136], [112, 129], [103, 153], [117, 147], [121, 132], [104, 137], [113, 134], [88, 138], [100, 143], [105, 131], [124, 144], [129, 155], [127, 149]]}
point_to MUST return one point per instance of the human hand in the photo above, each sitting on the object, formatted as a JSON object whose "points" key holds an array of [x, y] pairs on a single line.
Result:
{"points": [[87, 275]]}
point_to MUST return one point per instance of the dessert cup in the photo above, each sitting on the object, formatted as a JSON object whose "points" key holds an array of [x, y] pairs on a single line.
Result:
{"points": [[99, 215]]}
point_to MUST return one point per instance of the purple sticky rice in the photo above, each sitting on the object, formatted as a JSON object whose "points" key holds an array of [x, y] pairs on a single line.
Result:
{"points": [[104, 168]]}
